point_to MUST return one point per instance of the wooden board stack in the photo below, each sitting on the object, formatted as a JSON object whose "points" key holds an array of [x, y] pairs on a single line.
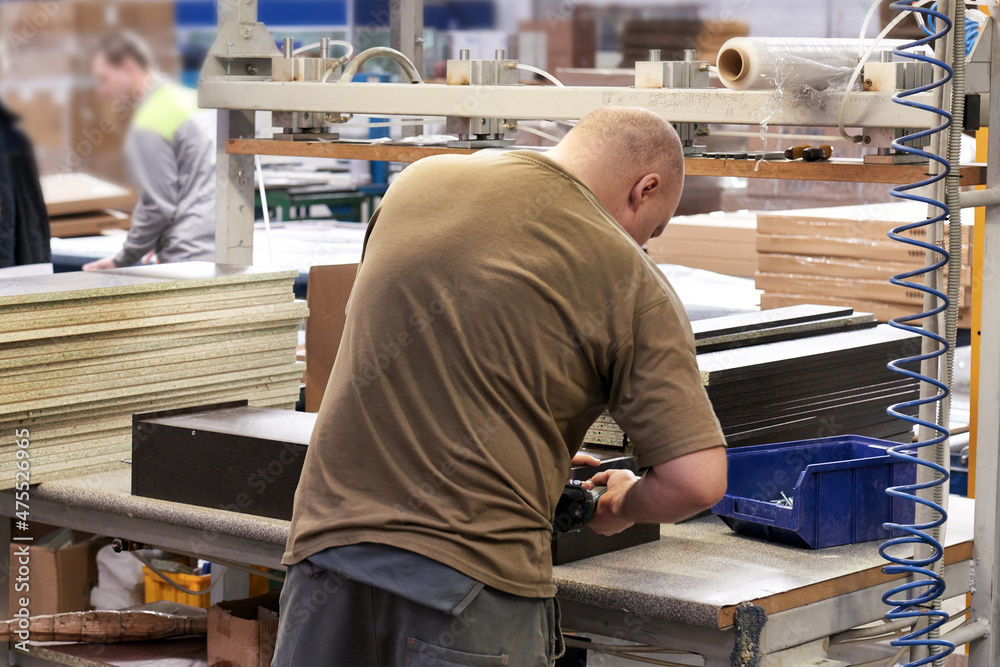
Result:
{"points": [[843, 257], [81, 205], [724, 243], [81, 352]]}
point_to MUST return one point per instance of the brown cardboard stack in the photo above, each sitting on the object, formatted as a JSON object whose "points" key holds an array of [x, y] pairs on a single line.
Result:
{"points": [[572, 41], [48, 83], [721, 243], [673, 36], [83, 205], [843, 256]]}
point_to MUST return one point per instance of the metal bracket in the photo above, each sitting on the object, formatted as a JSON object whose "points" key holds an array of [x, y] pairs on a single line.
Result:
{"points": [[244, 49]]}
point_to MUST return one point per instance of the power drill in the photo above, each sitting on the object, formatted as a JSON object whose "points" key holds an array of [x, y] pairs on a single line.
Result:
{"points": [[576, 507]]}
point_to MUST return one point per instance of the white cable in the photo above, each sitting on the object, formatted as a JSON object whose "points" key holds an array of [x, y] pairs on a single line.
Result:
{"points": [[870, 632], [543, 135], [263, 206], [861, 65], [540, 72], [864, 26], [333, 42]]}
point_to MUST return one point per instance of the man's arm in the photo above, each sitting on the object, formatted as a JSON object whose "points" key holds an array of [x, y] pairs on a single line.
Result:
{"points": [[154, 165], [666, 493]]}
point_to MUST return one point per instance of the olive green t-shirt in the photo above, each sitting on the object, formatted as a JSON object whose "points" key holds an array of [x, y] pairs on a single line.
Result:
{"points": [[498, 310]]}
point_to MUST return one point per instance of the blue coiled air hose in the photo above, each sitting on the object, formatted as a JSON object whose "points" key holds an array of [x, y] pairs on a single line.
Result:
{"points": [[913, 600]]}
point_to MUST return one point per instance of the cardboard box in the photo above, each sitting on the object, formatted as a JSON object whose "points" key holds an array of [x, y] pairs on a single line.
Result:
{"points": [[571, 41], [35, 23], [59, 580], [329, 291], [242, 633], [841, 267], [873, 221], [721, 243], [61, 116], [68, 194], [889, 250], [88, 224], [849, 288]]}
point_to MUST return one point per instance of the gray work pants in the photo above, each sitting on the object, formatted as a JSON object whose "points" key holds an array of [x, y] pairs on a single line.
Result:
{"points": [[330, 621]]}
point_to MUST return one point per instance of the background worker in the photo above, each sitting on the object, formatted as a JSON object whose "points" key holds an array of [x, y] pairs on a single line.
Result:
{"points": [[502, 304], [170, 153], [24, 220]]}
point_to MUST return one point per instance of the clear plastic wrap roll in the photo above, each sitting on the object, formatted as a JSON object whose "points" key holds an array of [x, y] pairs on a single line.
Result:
{"points": [[771, 63]]}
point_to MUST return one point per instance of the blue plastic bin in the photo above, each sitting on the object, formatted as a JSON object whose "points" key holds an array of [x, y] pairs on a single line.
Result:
{"points": [[837, 486]]}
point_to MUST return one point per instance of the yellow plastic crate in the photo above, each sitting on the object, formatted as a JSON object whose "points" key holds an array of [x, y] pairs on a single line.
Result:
{"points": [[157, 589]]}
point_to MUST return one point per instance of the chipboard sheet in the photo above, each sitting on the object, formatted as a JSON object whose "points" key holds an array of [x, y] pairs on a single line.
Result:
{"points": [[80, 353]]}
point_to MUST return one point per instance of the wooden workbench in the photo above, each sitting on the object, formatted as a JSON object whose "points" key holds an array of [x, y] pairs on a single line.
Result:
{"points": [[680, 592]]}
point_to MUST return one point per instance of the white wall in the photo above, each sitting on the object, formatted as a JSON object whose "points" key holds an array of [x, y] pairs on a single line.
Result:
{"points": [[767, 18]]}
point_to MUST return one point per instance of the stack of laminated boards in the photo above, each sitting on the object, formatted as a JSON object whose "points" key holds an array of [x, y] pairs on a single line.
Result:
{"points": [[80, 353], [82, 205], [724, 243], [804, 372], [842, 256]]}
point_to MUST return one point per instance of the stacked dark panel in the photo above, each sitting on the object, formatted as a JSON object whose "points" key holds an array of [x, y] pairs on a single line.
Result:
{"points": [[804, 372]]}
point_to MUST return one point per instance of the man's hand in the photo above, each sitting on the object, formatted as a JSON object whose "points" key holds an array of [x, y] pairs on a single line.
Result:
{"points": [[609, 519], [101, 265]]}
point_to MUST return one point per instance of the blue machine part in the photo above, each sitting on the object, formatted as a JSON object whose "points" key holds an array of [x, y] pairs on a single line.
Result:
{"points": [[815, 493], [913, 600], [201, 13]]}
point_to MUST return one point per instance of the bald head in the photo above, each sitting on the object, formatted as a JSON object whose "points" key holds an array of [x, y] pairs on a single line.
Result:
{"points": [[633, 161]]}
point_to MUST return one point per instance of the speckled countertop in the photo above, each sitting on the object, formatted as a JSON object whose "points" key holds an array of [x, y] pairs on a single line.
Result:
{"points": [[696, 571]]}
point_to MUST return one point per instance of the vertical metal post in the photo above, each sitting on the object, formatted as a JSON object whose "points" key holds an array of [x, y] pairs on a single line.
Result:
{"points": [[234, 186], [234, 192], [986, 595], [406, 34], [406, 30], [237, 11]]}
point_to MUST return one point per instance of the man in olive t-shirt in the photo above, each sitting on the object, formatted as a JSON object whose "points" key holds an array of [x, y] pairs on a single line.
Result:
{"points": [[503, 302]]}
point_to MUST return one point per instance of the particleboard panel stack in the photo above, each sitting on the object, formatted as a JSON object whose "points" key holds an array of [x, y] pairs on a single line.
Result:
{"points": [[80, 353], [843, 257], [723, 243]]}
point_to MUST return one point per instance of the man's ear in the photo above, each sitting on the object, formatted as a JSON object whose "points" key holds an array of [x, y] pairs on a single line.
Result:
{"points": [[645, 187]]}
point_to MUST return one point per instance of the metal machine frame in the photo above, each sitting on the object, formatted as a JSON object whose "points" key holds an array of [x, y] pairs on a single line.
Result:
{"points": [[236, 80]]}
